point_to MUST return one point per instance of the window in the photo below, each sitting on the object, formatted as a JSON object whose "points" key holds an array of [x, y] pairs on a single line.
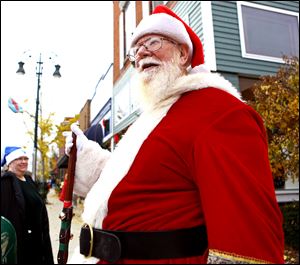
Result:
{"points": [[106, 124], [122, 105], [156, 3], [127, 24], [134, 104], [267, 33], [130, 23], [146, 8]]}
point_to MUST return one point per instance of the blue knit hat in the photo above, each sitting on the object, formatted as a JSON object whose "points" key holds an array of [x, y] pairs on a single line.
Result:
{"points": [[11, 153]]}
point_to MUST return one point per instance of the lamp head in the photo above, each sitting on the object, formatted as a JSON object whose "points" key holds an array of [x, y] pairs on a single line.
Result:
{"points": [[56, 72], [21, 70]]}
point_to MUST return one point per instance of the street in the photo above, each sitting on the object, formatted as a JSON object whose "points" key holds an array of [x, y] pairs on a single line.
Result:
{"points": [[54, 207]]}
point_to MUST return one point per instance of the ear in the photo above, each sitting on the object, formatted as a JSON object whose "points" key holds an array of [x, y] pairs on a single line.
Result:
{"points": [[184, 54]]}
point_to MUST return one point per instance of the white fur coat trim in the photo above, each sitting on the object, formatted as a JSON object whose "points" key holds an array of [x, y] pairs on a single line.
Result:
{"points": [[95, 206]]}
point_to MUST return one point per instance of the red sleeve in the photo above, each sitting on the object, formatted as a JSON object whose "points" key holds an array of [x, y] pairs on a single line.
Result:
{"points": [[244, 222]]}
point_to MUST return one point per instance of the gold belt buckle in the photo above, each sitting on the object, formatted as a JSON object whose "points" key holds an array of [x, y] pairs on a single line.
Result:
{"points": [[92, 239]]}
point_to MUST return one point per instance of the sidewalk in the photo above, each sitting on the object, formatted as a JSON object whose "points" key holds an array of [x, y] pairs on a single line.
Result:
{"points": [[54, 207]]}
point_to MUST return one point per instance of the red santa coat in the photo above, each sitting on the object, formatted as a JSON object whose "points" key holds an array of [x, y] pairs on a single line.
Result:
{"points": [[205, 162]]}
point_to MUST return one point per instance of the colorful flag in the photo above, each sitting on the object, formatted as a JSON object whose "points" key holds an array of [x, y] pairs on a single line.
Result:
{"points": [[14, 106]]}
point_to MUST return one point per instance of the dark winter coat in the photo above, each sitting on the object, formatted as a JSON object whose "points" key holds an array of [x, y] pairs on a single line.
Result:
{"points": [[32, 246]]}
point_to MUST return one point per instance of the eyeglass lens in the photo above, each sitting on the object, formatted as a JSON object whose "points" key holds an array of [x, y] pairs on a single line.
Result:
{"points": [[152, 44]]}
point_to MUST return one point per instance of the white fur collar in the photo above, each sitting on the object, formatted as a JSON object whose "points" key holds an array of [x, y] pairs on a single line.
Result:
{"points": [[124, 155], [203, 80]]}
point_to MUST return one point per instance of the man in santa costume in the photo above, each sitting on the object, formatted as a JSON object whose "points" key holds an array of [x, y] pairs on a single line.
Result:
{"points": [[190, 181]]}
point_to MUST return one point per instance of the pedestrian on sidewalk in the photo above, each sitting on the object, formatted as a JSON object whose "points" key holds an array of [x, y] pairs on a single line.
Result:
{"points": [[23, 206], [190, 181]]}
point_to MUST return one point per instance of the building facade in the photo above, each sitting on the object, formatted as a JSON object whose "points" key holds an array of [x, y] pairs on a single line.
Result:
{"points": [[242, 41]]}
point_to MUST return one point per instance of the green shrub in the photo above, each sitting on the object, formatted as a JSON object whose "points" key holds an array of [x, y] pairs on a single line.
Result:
{"points": [[290, 212]]}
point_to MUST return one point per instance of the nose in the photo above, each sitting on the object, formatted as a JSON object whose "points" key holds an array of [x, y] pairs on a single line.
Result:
{"points": [[141, 53]]}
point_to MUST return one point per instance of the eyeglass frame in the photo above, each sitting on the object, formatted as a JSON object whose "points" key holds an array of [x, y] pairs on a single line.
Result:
{"points": [[132, 58]]}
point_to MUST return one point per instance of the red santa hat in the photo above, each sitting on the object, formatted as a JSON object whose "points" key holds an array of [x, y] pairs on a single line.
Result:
{"points": [[164, 21]]}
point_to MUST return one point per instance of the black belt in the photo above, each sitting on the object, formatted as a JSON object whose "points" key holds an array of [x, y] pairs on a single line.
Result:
{"points": [[113, 245]]}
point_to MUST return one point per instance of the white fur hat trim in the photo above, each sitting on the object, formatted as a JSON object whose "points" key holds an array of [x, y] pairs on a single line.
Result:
{"points": [[165, 25]]}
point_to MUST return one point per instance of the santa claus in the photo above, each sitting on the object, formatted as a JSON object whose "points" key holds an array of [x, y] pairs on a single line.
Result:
{"points": [[190, 181]]}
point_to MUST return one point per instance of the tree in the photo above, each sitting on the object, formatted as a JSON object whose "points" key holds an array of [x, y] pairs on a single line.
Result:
{"points": [[64, 127], [50, 135], [276, 99], [44, 143]]}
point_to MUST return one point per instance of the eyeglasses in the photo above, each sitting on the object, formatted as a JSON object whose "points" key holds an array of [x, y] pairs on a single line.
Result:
{"points": [[152, 44]]}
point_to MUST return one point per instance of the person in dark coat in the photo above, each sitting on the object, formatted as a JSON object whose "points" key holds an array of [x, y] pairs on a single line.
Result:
{"points": [[23, 206]]}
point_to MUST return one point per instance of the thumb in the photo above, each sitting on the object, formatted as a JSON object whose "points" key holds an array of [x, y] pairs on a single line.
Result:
{"points": [[75, 129]]}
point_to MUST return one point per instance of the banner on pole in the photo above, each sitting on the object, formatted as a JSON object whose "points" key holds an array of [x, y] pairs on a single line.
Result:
{"points": [[14, 106]]}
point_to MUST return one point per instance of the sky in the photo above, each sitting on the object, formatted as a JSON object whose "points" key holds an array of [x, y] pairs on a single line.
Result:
{"points": [[77, 35]]}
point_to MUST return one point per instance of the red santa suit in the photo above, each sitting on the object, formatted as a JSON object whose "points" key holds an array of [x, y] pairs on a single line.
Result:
{"points": [[200, 158]]}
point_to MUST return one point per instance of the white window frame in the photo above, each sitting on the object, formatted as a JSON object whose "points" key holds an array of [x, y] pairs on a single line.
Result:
{"points": [[121, 39], [208, 39], [146, 8], [127, 25], [242, 35], [122, 103], [130, 23]]}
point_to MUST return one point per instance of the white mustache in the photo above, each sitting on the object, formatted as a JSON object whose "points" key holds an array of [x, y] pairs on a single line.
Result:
{"points": [[149, 60]]}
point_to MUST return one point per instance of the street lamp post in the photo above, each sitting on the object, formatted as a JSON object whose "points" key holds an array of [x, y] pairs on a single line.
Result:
{"points": [[38, 74], [36, 123]]}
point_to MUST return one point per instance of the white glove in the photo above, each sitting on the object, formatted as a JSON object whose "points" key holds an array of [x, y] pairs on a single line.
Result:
{"points": [[80, 140]]}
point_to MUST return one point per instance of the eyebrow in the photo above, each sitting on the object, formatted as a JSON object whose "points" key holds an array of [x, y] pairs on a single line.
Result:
{"points": [[139, 43]]}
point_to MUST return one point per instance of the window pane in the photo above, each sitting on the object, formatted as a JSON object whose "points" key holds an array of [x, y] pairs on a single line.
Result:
{"points": [[270, 33], [146, 8], [122, 104], [130, 23]]}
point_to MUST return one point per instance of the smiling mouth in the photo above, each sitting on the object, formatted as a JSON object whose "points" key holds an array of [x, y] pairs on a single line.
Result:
{"points": [[149, 66]]}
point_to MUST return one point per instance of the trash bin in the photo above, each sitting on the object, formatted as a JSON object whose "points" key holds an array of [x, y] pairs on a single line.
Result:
{"points": [[8, 242]]}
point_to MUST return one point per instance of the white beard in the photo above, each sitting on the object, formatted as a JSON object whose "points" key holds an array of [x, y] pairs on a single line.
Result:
{"points": [[153, 87]]}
